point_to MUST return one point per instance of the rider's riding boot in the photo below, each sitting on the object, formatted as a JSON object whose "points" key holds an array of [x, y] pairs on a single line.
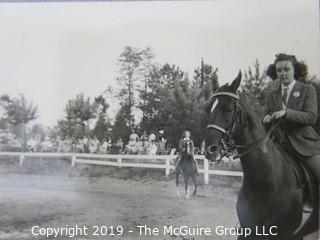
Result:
{"points": [[314, 164], [308, 207]]}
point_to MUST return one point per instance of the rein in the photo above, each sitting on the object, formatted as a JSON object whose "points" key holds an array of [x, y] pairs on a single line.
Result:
{"points": [[260, 142], [229, 131]]}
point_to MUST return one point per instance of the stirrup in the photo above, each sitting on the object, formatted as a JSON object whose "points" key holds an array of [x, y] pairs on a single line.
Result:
{"points": [[307, 208]]}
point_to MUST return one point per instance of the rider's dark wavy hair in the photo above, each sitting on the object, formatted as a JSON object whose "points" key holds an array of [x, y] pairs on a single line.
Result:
{"points": [[300, 68]]}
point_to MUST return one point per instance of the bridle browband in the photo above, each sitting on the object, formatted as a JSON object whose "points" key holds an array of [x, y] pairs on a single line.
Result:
{"points": [[226, 94]]}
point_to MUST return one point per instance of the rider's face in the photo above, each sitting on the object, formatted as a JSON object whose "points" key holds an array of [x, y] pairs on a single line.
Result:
{"points": [[285, 72], [187, 135]]}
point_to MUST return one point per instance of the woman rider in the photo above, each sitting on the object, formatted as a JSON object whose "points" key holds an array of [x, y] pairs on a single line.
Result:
{"points": [[296, 104], [186, 139]]}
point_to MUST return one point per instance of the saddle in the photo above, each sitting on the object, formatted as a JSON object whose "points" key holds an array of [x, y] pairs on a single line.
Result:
{"points": [[304, 176], [310, 189]]}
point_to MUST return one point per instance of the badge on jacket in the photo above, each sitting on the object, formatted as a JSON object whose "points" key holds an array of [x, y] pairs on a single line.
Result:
{"points": [[296, 94]]}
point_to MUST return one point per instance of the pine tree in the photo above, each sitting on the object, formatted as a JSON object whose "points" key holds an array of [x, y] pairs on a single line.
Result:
{"points": [[206, 77], [19, 113], [134, 70], [256, 87], [78, 113]]}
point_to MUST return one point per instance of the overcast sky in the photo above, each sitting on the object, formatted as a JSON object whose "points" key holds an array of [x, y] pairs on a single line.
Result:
{"points": [[52, 51]]}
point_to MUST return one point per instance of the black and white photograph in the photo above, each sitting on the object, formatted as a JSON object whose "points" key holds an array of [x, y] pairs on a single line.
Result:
{"points": [[159, 120]]}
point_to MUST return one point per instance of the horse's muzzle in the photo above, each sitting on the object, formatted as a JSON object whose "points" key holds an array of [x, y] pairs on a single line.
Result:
{"points": [[212, 149], [212, 152]]}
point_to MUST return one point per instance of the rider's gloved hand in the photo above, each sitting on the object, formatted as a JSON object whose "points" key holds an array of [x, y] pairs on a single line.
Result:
{"points": [[267, 118]]}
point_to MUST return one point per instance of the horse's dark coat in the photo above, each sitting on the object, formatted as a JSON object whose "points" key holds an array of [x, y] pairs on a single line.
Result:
{"points": [[188, 168], [270, 195]]}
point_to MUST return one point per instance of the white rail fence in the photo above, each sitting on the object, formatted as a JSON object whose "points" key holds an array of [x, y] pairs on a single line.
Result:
{"points": [[153, 161]]}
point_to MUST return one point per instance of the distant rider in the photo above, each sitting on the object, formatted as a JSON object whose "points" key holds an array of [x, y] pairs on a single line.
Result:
{"points": [[186, 139]]}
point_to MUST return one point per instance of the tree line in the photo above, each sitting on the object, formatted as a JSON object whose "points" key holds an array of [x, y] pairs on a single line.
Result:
{"points": [[152, 97]]}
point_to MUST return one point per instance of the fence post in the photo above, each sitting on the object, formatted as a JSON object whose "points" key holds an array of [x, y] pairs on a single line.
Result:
{"points": [[167, 166], [119, 161], [21, 159], [73, 161], [206, 171]]}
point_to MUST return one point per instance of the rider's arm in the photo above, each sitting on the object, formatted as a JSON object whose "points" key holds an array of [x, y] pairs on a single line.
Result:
{"points": [[268, 111], [192, 146], [181, 145], [309, 113]]}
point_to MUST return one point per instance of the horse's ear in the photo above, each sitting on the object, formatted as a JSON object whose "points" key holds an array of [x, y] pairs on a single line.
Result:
{"points": [[236, 83]]}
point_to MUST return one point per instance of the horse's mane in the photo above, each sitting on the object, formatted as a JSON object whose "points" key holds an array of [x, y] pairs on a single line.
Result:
{"points": [[249, 117]]}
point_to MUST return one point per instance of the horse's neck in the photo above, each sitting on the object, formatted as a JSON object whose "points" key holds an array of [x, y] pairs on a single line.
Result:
{"points": [[258, 166], [186, 155]]}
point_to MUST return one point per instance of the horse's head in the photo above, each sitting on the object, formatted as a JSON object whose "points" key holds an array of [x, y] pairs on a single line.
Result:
{"points": [[223, 112]]}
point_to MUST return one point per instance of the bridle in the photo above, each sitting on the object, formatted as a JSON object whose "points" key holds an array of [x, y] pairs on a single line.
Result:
{"points": [[228, 132], [230, 129]]}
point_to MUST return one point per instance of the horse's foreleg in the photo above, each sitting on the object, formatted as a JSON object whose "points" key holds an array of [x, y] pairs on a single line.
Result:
{"points": [[186, 183], [188, 192], [177, 178], [195, 185], [177, 183]]}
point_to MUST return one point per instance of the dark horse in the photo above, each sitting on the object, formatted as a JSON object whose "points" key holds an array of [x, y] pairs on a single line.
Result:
{"points": [[270, 201], [188, 168]]}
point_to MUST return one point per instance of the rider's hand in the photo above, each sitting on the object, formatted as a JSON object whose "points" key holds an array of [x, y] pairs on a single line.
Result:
{"points": [[278, 114], [267, 119]]}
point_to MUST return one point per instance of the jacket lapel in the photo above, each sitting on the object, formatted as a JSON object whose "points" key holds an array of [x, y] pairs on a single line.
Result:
{"points": [[292, 99]]}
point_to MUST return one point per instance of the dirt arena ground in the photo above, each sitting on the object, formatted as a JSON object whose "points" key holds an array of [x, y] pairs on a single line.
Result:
{"points": [[48, 194]]}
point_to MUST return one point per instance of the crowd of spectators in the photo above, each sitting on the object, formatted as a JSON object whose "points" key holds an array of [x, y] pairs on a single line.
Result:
{"points": [[147, 144], [83, 145]]}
